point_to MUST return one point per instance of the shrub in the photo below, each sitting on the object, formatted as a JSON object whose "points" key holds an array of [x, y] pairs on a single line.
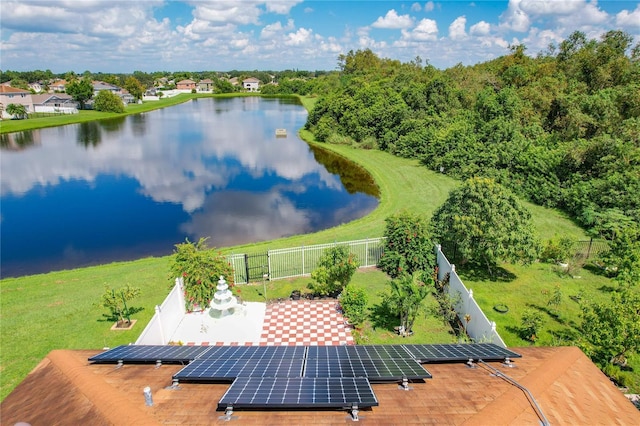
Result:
{"points": [[557, 250], [531, 322], [354, 303], [408, 247], [107, 101], [335, 269], [200, 268], [116, 302]]}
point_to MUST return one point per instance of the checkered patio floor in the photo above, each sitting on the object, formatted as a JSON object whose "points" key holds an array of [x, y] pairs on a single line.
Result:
{"points": [[305, 322], [298, 323]]}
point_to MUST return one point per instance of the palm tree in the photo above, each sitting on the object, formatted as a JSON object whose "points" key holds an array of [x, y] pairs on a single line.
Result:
{"points": [[408, 293], [17, 110]]}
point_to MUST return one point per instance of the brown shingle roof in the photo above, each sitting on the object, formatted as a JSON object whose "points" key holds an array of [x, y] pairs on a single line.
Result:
{"points": [[66, 389], [9, 89]]}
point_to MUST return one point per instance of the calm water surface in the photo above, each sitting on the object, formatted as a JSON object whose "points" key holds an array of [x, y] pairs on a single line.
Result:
{"points": [[133, 187]]}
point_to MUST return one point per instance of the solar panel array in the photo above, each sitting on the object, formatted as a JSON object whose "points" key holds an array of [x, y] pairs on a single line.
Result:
{"points": [[376, 370], [221, 369], [301, 392], [299, 376], [459, 353], [150, 353]]}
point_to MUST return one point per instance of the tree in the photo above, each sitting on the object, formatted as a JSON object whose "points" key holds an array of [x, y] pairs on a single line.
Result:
{"points": [[116, 302], [80, 90], [18, 111], [354, 303], [133, 86], [611, 329], [407, 297], [408, 247], [200, 268], [107, 101], [487, 222], [335, 269]]}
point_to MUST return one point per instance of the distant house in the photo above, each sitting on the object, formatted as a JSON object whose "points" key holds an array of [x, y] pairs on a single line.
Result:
{"points": [[58, 86], [205, 85], [99, 86], [234, 81], [127, 98], [36, 87], [186, 85], [251, 84], [57, 103], [11, 95]]}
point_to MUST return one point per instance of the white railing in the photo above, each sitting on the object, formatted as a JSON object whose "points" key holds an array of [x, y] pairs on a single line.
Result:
{"points": [[166, 318], [479, 328], [301, 261]]}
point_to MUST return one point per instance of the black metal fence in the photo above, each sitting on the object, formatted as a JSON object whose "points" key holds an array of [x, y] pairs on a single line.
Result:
{"points": [[589, 249]]}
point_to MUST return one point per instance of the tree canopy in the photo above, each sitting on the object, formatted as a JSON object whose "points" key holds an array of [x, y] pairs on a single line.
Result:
{"points": [[81, 90], [560, 129], [107, 101], [487, 223]]}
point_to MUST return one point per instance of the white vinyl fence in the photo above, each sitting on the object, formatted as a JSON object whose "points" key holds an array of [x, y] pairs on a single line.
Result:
{"points": [[166, 319], [479, 328]]}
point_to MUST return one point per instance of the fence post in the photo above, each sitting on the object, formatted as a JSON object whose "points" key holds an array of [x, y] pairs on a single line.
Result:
{"points": [[303, 268], [159, 316], [589, 249], [246, 266]]}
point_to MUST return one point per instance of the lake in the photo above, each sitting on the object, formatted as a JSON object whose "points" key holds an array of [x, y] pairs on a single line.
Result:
{"points": [[133, 187]]}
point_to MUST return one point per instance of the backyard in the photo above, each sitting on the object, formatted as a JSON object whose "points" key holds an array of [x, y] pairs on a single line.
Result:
{"points": [[59, 310]]}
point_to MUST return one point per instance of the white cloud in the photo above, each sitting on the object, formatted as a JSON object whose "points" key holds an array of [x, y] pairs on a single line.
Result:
{"points": [[457, 28], [514, 18], [241, 13], [429, 6], [482, 28], [550, 7], [628, 19], [427, 29], [269, 31], [539, 40], [282, 7], [415, 7], [302, 36], [393, 21]]}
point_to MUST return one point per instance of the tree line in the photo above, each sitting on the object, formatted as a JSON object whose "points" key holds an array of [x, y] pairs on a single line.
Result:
{"points": [[561, 129]]}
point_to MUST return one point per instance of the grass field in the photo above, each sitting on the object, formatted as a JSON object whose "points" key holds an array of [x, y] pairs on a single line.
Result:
{"points": [[58, 310]]}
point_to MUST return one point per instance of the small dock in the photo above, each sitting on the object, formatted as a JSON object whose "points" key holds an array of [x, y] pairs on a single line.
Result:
{"points": [[281, 132]]}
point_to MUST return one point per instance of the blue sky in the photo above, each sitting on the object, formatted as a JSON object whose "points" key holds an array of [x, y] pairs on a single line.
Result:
{"points": [[123, 36]]}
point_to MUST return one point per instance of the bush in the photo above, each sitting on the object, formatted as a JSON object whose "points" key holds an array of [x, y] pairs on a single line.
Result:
{"points": [[408, 247], [557, 250], [116, 302], [335, 269], [200, 268], [531, 322], [107, 101], [354, 303]]}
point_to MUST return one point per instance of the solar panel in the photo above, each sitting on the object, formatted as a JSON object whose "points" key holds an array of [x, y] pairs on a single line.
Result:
{"points": [[376, 370], [459, 353], [210, 370], [291, 393], [359, 352], [253, 352], [149, 354]]}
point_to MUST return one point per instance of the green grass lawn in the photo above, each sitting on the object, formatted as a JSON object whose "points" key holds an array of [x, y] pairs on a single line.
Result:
{"points": [[531, 287], [428, 327], [57, 310]]}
